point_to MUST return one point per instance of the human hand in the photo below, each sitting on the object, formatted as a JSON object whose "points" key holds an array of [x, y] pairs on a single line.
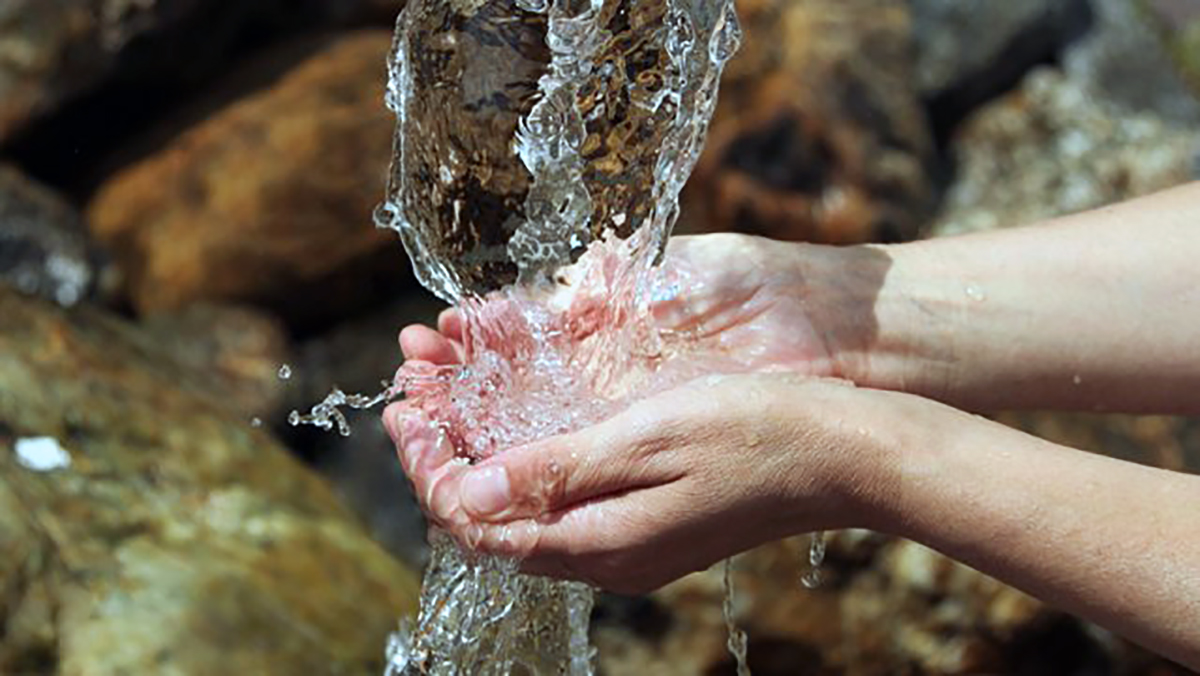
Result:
{"points": [[670, 486], [754, 301]]}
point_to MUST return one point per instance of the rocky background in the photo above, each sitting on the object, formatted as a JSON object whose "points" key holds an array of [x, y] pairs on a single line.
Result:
{"points": [[185, 198]]}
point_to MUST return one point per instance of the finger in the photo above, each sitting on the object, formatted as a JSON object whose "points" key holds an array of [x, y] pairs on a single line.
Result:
{"points": [[450, 324], [554, 474], [423, 343], [422, 448]]}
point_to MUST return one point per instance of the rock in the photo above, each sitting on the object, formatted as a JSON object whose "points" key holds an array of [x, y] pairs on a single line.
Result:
{"points": [[1123, 60], [53, 52], [887, 606], [44, 246], [269, 200], [169, 537], [236, 351], [1179, 22], [968, 52], [1052, 148], [819, 133]]}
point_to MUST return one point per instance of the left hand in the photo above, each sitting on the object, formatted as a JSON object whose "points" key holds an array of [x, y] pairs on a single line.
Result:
{"points": [[671, 486]]}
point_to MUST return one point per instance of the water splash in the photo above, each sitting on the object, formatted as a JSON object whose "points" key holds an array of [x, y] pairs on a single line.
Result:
{"points": [[538, 157], [736, 643], [329, 414]]}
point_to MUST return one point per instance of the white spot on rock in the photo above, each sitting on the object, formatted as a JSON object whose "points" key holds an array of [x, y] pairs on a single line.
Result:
{"points": [[42, 454]]}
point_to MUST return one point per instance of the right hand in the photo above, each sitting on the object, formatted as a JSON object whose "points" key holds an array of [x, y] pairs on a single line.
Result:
{"points": [[761, 303]]}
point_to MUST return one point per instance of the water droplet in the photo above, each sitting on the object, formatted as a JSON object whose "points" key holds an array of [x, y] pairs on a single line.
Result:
{"points": [[256, 422], [285, 372], [535, 6], [816, 557], [811, 579], [294, 418]]}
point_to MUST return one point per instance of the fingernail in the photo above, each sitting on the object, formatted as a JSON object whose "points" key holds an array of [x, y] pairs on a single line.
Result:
{"points": [[485, 492]]}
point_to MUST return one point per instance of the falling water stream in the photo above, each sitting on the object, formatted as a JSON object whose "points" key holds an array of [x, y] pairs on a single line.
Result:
{"points": [[538, 157]]}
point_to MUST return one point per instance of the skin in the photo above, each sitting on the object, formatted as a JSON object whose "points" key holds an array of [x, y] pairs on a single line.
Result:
{"points": [[867, 355]]}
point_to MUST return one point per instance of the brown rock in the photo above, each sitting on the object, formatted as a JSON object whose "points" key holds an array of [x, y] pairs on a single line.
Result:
{"points": [[269, 201], [819, 134], [147, 528], [886, 607], [234, 352]]}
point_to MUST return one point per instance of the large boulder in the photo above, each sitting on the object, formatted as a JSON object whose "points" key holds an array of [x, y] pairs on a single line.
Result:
{"points": [[52, 52], [1124, 60], [1052, 148], [819, 133], [44, 246], [147, 527], [269, 201], [968, 52]]}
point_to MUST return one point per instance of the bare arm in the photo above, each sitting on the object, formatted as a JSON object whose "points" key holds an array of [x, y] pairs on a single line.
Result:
{"points": [[1110, 541], [1099, 311]]}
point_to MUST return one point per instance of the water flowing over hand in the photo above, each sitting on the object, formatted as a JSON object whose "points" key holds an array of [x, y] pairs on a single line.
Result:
{"points": [[604, 504]]}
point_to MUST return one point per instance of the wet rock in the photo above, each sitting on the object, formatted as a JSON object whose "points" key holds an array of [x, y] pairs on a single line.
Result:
{"points": [[1053, 147], [168, 536], [44, 247], [1124, 60], [269, 200], [819, 134], [968, 52]]}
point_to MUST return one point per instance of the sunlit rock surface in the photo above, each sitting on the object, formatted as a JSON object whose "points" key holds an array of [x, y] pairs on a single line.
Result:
{"points": [[177, 540], [269, 200], [1055, 147], [819, 133]]}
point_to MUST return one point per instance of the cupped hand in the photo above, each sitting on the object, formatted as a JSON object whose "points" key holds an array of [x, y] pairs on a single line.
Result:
{"points": [[684, 478], [757, 302], [671, 485]]}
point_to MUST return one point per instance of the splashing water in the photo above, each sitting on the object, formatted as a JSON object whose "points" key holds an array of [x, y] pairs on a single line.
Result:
{"points": [[539, 153]]}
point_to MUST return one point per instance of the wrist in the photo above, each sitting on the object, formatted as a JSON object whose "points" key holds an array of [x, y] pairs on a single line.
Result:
{"points": [[896, 319]]}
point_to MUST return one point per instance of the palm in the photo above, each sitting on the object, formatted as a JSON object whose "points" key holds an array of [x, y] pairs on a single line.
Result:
{"points": [[742, 299], [727, 299]]}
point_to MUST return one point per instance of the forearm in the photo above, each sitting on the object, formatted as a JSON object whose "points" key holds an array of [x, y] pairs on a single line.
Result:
{"points": [[1099, 311], [1112, 542]]}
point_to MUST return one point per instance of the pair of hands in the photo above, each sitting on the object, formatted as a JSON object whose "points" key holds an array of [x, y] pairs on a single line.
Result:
{"points": [[695, 474]]}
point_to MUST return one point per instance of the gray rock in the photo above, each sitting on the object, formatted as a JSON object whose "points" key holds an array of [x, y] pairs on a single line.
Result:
{"points": [[1053, 147], [1124, 60], [44, 248], [147, 528], [982, 46]]}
